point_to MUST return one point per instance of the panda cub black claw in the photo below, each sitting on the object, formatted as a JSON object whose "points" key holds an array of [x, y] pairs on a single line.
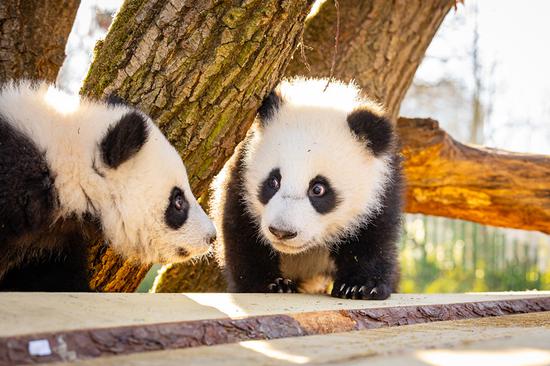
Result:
{"points": [[283, 286], [361, 292]]}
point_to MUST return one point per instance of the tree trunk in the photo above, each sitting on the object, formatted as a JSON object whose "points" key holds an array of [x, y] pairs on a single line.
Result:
{"points": [[492, 187], [204, 276], [200, 69], [381, 44], [33, 37]]}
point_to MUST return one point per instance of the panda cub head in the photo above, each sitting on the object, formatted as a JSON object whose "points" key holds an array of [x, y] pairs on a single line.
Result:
{"points": [[151, 212], [109, 161], [316, 165]]}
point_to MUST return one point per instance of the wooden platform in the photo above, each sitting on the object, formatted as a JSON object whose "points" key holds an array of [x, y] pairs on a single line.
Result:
{"points": [[145, 329]]}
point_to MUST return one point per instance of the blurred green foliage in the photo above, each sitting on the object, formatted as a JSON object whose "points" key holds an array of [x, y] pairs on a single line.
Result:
{"points": [[443, 255], [147, 282]]}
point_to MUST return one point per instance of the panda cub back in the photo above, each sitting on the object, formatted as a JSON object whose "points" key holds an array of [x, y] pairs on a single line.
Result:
{"points": [[312, 196], [72, 168]]}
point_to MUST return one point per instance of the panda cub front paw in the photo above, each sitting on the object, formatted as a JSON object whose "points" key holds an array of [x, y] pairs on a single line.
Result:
{"points": [[283, 285], [368, 291]]}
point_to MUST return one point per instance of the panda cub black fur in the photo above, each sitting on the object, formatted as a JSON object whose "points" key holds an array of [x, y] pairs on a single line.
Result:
{"points": [[313, 195], [71, 169]]}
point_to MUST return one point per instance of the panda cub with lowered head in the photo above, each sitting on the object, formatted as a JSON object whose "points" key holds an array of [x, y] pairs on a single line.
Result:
{"points": [[313, 195], [71, 168]]}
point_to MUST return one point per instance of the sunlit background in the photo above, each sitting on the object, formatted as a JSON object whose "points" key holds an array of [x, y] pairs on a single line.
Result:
{"points": [[486, 79]]}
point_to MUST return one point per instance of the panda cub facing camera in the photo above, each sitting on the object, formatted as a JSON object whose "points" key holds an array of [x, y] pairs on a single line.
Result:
{"points": [[312, 196], [71, 168]]}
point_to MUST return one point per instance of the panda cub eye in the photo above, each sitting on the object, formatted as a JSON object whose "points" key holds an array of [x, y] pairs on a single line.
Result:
{"points": [[177, 210], [270, 186], [322, 195], [317, 190]]}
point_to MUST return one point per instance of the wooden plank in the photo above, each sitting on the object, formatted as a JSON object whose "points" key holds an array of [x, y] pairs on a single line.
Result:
{"points": [[489, 186], [522, 340], [93, 325], [24, 313]]}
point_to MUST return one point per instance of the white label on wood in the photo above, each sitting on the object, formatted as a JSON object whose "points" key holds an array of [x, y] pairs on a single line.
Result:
{"points": [[40, 347]]}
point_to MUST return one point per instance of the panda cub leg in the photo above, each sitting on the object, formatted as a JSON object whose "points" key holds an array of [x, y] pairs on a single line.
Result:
{"points": [[366, 266], [365, 279]]}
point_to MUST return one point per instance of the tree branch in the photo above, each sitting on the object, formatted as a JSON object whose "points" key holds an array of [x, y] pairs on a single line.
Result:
{"points": [[488, 186]]}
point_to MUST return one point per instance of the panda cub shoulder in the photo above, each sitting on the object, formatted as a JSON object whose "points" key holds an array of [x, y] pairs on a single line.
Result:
{"points": [[312, 196], [72, 168]]}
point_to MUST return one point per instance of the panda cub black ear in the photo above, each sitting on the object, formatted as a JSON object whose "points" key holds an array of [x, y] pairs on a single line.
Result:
{"points": [[271, 103], [124, 139], [377, 130]]}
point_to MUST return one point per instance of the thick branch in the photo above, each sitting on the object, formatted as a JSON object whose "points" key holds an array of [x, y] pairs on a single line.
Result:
{"points": [[381, 44], [493, 187], [200, 69], [33, 35]]}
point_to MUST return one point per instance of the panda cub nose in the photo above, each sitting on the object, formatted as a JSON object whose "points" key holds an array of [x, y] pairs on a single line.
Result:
{"points": [[282, 234]]}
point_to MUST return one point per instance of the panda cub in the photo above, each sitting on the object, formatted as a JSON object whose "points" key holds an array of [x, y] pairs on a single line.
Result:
{"points": [[312, 196], [71, 168]]}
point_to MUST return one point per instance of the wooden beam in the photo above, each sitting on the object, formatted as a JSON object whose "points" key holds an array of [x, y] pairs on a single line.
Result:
{"points": [[513, 340], [148, 328], [488, 186]]}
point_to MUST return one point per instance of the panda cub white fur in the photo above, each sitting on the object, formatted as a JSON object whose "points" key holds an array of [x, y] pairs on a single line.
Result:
{"points": [[312, 196], [71, 168]]}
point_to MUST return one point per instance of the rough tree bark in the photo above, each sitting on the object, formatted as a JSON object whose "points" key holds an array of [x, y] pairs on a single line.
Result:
{"points": [[200, 69], [447, 178], [33, 35], [381, 44]]}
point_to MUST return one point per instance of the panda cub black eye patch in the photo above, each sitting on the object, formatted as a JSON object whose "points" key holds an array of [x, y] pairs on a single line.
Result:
{"points": [[269, 186], [178, 209], [322, 196]]}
